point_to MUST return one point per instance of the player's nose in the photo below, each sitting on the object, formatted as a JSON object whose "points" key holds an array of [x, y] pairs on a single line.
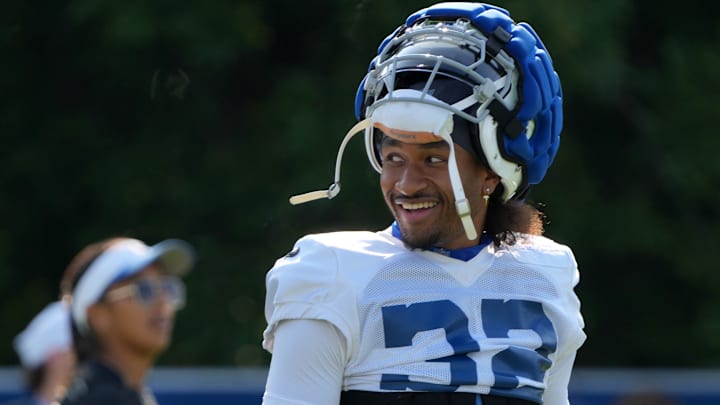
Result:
{"points": [[411, 180]]}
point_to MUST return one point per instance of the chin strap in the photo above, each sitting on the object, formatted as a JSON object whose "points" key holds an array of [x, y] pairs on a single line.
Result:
{"points": [[334, 188], [461, 203]]}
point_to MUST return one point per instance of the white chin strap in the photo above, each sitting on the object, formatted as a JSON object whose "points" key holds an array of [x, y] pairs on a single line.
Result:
{"points": [[461, 203], [334, 188], [409, 120]]}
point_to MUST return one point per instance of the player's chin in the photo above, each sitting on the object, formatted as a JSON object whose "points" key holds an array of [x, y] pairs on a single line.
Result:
{"points": [[418, 237]]}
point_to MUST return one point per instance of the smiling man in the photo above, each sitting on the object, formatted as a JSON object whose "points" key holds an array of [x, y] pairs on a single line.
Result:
{"points": [[417, 189], [461, 300]]}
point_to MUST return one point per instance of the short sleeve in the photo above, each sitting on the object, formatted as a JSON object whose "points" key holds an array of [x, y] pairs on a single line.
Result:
{"points": [[305, 284]]}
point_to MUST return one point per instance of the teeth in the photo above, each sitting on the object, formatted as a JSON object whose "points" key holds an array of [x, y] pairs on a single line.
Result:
{"points": [[418, 206]]}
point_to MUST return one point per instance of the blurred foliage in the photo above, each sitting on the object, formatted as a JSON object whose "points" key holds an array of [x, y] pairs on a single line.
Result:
{"points": [[198, 120]]}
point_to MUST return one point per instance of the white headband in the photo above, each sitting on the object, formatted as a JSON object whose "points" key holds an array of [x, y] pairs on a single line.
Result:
{"points": [[48, 333], [121, 261]]}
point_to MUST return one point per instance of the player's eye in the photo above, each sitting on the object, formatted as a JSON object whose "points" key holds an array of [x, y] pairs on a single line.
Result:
{"points": [[392, 158]]}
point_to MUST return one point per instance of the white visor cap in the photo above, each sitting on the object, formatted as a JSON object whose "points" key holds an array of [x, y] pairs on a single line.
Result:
{"points": [[121, 261], [48, 333], [413, 116]]}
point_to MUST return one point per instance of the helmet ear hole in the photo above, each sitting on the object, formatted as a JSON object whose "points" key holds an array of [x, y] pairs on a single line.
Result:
{"points": [[510, 173]]}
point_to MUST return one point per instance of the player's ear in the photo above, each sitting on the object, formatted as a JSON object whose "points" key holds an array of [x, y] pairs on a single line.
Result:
{"points": [[490, 181]]}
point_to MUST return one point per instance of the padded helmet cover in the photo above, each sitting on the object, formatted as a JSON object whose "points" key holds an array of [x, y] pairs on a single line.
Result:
{"points": [[510, 91]]}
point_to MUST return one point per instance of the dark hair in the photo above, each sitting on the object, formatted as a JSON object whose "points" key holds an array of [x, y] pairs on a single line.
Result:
{"points": [[87, 345], [505, 220], [34, 377]]}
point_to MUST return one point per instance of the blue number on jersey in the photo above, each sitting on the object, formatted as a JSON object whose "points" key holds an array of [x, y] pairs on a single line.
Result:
{"points": [[499, 317], [402, 323], [429, 316]]}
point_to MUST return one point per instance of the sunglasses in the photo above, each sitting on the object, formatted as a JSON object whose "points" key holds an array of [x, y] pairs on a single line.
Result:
{"points": [[146, 291]]}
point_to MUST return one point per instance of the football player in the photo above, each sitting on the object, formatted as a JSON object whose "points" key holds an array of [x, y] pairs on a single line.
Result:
{"points": [[461, 300]]}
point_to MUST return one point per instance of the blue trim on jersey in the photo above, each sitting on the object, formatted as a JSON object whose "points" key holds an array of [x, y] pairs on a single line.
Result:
{"points": [[464, 254]]}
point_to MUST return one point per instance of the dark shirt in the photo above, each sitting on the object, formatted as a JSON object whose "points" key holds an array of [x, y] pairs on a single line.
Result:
{"points": [[26, 400], [98, 384]]}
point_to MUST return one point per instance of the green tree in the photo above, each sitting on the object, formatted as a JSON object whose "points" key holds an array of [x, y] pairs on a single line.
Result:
{"points": [[199, 120]]}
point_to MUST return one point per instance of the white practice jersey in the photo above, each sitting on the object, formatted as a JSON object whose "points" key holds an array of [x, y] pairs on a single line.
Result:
{"points": [[507, 322]]}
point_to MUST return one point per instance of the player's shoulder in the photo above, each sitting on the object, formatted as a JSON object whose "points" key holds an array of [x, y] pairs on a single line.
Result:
{"points": [[345, 245], [539, 250], [323, 255], [362, 241]]}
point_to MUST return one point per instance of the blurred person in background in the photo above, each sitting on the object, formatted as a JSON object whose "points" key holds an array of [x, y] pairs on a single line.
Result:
{"points": [[646, 398], [46, 355], [124, 298]]}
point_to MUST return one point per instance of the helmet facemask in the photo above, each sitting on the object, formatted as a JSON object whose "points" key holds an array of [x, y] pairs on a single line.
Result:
{"points": [[427, 78]]}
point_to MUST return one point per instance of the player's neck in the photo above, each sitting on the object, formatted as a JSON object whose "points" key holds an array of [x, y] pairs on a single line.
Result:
{"points": [[130, 365], [463, 253]]}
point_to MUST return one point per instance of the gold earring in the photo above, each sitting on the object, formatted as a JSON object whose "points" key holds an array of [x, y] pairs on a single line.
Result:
{"points": [[486, 196]]}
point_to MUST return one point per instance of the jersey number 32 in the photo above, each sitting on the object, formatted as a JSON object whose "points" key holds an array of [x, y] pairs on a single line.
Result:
{"points": [[402, 322]]}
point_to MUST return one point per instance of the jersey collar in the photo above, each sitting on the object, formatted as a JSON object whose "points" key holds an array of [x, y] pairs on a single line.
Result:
{"points": [[464, 254]]}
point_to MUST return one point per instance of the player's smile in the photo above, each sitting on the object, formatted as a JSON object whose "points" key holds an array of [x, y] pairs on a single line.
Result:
{"points": [[417, 188], [416, 219], [411, 215], [412, 211], [423, 221]]}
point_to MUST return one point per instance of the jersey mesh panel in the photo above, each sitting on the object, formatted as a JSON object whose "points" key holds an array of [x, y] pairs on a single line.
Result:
{"points": [[409, 279]]}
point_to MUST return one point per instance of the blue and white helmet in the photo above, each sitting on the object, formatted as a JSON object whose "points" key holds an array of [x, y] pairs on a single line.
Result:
{"points": [[454, 64]]}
